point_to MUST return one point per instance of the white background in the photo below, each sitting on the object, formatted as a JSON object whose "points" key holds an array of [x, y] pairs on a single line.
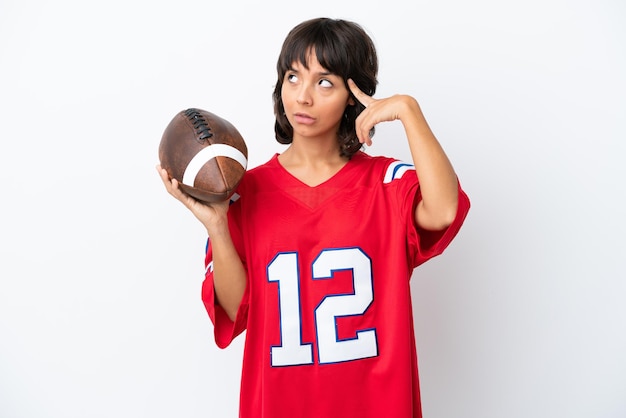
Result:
{"points": [[100, 269]]}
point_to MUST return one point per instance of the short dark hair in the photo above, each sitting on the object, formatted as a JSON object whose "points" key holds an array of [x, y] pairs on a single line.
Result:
{"points": [[343, 48]]}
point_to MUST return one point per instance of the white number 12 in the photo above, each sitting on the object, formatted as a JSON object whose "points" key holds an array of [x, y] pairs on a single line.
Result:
{"points": [[292, 351]]}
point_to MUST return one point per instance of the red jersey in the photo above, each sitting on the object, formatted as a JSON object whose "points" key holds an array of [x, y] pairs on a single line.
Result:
{"points": [[327, 309]]}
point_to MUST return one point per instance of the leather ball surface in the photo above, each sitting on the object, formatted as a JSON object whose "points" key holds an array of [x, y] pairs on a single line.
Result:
{"points": [[205, 153]]}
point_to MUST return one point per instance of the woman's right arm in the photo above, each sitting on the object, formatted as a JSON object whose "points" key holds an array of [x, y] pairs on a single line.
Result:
{"points": [[229, 275]]}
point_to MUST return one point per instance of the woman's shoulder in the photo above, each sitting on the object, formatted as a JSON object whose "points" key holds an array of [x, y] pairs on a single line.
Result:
{"points": [[380, 165], [269, 168], [257, 177], [365, 158]]}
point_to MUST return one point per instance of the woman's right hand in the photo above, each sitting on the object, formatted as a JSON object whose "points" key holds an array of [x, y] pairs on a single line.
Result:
{"points": [[211, 215]]}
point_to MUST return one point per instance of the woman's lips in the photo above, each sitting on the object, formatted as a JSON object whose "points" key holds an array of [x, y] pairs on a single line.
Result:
{"points": [[303, 119]]}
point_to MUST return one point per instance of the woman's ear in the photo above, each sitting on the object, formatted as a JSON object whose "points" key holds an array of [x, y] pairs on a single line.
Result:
{"points": [[351, 98]]}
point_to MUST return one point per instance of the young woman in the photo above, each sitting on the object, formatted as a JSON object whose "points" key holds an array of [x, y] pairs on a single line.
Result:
{"points": [[314, 258]]}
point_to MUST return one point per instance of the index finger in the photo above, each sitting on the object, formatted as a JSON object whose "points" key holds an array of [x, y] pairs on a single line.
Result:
{"points": [[363, 98]]}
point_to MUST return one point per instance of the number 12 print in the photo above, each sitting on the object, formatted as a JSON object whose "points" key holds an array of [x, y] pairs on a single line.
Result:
{"points": [[293, 351]]}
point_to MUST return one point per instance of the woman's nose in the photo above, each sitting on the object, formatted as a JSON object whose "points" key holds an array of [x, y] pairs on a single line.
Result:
{"points": [[304, 95]]}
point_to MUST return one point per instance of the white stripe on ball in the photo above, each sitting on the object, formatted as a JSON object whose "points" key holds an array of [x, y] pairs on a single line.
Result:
{"points": [[208, 153]]}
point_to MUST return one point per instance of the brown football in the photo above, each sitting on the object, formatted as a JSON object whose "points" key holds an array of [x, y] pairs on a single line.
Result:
{"points": [[205, 153]]}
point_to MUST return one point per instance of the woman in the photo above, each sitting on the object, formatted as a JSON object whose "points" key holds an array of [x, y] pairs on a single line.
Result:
{"points": [[315, 257]]}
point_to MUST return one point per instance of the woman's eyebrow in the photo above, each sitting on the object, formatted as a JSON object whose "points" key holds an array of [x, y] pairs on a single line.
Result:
{"points": [[325, 73]]}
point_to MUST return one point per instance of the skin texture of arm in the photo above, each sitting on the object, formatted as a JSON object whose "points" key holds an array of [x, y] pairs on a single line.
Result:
{"points": [[229, 275], [438, 181]]}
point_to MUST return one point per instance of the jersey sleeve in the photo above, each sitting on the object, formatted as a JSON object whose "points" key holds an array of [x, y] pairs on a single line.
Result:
{"points": [[422, 244], [225, 330], [428, 244]]}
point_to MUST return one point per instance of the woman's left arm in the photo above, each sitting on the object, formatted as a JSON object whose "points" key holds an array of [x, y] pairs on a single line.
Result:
{"points": [[438, 181]]}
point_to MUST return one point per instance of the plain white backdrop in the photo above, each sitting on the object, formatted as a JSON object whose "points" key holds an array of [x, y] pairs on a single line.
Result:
{"points": [[100, 270]]}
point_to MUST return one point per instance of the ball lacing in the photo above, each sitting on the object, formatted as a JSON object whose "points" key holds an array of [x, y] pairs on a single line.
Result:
{"points": [[203, 130]]}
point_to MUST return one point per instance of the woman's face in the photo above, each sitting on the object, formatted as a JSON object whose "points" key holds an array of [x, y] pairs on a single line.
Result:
{"points": [[314, 99]]}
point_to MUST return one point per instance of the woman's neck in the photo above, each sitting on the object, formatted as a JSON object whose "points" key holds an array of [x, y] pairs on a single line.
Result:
{"points": [[312, 165]]}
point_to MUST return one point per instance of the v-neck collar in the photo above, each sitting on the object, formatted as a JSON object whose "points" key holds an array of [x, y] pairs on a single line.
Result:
{"points": [[315, 197], [330, 182]]}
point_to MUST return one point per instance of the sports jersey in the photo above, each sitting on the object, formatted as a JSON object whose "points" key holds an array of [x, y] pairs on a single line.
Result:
{"points": [[327, 308]]}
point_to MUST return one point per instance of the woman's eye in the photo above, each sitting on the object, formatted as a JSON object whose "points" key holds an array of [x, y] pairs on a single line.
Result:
{"points": [[292, 78], [325, 83]]}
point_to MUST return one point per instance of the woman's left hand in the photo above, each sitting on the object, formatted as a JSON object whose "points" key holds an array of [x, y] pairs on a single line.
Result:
{"points": [[378, 110]]}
